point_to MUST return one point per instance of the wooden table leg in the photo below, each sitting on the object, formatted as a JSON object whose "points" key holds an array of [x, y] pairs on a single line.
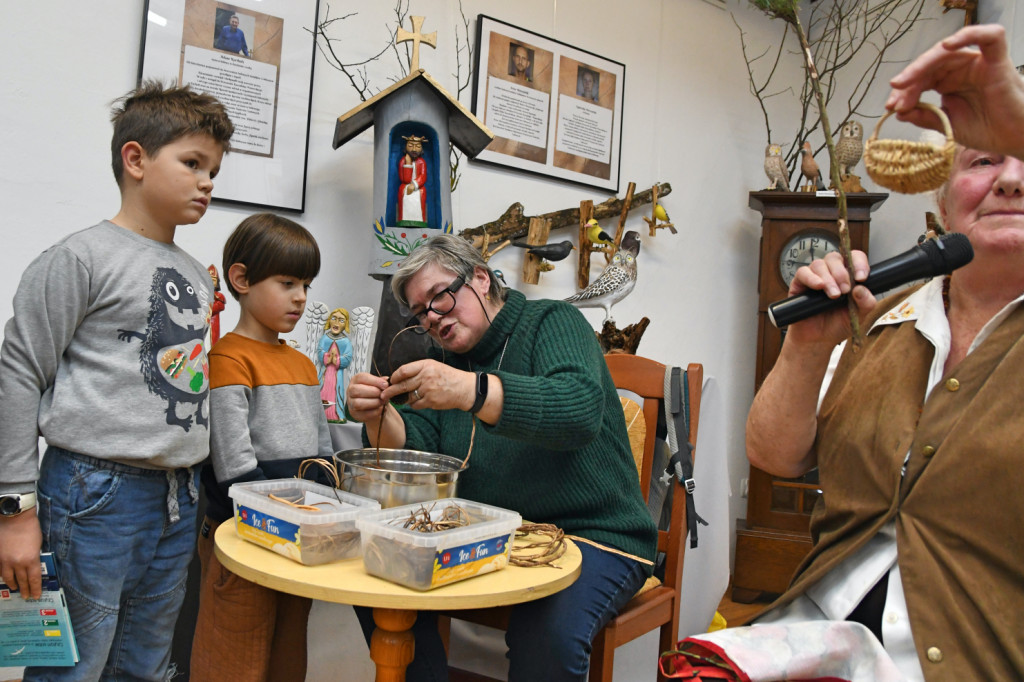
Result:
{"points": [[392, 646]]}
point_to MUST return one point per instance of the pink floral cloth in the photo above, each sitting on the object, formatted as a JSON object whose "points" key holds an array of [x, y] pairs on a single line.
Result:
{"points": [[812, 650]]}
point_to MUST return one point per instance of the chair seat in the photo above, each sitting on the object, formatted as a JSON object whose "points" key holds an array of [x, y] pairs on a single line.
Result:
{"points": [[649, 584]]}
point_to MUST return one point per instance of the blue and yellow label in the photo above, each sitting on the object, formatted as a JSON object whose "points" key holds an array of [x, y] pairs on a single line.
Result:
{"points": [[267, 530], [471, 559]]}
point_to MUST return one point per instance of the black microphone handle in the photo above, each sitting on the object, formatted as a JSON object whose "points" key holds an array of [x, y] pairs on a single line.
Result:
{"points": [[909, 266]]}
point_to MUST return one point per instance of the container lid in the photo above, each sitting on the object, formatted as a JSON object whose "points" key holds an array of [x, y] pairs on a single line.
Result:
{"points": [[342, 506], [486, 521]]}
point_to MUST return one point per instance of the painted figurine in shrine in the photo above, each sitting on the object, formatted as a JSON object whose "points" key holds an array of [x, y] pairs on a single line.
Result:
{"points": [[216, 306], [334, 353], [412, 178]]}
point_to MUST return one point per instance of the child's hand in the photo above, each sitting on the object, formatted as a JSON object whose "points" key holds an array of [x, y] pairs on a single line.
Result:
{"points": [[20, 542]]}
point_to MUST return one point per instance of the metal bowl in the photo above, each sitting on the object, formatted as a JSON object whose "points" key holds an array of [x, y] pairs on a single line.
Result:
{"points": [[399, 476]]}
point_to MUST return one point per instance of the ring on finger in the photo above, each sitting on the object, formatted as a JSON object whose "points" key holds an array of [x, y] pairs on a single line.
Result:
{"points": [[416, 392]]}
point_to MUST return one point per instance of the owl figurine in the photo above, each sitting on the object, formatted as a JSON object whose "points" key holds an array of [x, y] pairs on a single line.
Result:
{"points": [[615, 282], [775, 168], [850, 147]]}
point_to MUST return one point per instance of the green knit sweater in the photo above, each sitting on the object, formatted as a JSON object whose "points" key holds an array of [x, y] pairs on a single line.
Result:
{"points": [[560, 453]]}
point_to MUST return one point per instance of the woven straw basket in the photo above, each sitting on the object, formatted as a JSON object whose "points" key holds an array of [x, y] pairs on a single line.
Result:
{"points": [[910, 167]]}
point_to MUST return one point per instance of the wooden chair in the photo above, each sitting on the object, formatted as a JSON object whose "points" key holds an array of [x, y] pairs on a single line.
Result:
{"points": [[656, 605]]}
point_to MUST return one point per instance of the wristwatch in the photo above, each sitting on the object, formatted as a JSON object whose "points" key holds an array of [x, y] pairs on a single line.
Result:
{"points": [[481, 392], [14, 504]]}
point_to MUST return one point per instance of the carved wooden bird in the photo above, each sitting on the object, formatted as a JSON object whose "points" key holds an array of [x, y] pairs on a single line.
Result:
{"points": [[850, 147], [555, 251], [615, 282], [775, 168], [597, 235], [809, 167]]}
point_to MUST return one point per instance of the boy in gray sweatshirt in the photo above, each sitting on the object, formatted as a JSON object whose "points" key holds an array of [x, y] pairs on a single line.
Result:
{"points": [[105, 358]]}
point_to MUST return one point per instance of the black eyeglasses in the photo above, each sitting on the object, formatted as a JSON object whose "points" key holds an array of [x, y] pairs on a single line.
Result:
{"points": [[442, 303]]}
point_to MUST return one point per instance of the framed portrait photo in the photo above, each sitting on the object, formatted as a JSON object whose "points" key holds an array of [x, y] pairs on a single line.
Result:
{"points": [[256, 57], [554, 109]]}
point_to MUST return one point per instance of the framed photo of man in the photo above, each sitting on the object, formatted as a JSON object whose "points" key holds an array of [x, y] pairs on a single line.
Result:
{"points": [[256, 57], [554, 109]]}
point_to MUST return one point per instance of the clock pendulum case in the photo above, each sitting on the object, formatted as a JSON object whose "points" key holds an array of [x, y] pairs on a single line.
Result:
{"points": [[796, 227]]}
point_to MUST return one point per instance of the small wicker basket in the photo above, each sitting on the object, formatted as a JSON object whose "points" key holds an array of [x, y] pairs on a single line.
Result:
{"points": [[910, 167]]}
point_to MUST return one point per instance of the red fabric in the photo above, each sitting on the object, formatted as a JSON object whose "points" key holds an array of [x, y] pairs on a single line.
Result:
{"points": [[698, 660], [407, 175]]}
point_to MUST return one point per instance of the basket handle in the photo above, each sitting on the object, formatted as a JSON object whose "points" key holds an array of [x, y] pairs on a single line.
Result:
{"points": [[920, 105]]}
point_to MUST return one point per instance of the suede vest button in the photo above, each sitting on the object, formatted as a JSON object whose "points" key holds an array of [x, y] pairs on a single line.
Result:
{"points": [[927, 451], [952, 385], [934, 654]]}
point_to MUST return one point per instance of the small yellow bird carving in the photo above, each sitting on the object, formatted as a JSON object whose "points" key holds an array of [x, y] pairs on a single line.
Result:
{"points": [[597, 235]]}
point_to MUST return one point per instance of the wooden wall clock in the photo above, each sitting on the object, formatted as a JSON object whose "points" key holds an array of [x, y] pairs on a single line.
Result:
{"points": [[796, 228]]}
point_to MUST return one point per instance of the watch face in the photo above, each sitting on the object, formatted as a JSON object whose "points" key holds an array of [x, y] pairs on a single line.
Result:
{"points": [[9, 505], [802, 249]]}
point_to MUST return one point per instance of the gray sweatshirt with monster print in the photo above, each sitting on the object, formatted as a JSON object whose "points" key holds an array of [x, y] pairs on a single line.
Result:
{"points": [[106, 355]]}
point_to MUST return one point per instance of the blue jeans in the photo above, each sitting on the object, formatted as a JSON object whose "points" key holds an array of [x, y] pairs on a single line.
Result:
{"points": [[120, 559], [548, 639]]}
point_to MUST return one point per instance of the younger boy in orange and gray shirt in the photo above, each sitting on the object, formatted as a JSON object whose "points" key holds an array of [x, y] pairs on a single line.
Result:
{"points": [[266, 417]]}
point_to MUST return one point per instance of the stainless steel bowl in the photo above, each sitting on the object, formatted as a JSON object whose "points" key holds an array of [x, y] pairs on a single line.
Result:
{"points": [[399, 476]]}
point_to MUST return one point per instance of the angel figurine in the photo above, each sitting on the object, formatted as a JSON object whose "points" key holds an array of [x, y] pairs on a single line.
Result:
{"points": [[334, 354]]}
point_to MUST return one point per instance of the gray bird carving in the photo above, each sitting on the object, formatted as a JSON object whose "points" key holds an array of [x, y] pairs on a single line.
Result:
{"points": [[850, 147], [775, 168], [555, 251], [615, 283]]}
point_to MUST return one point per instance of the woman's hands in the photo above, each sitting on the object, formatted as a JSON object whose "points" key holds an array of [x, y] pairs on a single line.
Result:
{"points": [[829, 274], [431, 384], [982, 93]]}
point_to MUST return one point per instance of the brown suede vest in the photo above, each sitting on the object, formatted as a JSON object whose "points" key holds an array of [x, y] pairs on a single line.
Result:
{"points": [[959, 510]]}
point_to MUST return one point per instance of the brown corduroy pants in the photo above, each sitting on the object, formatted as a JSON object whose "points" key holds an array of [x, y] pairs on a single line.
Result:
{"points": [[245, 631]]}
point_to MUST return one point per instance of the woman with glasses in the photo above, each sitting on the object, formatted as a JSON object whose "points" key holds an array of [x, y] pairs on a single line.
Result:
{"points": [[549, 441]]}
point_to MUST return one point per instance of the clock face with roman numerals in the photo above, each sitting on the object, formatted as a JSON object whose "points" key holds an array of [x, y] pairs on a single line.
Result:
{"points": [[802, 249]]}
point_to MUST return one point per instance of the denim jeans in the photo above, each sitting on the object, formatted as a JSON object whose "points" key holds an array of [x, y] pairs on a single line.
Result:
{"points": [[121, 561], [548, 639]]}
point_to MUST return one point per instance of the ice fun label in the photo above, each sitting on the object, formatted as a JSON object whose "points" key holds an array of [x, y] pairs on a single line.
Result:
{"points": [[470, 559], [265, 529]]}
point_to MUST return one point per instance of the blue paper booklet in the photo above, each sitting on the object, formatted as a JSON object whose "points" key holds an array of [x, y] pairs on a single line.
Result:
{"points": [[37, 632]]}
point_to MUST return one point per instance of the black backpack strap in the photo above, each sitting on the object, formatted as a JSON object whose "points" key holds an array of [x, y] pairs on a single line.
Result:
{"points": [[681, 463]]}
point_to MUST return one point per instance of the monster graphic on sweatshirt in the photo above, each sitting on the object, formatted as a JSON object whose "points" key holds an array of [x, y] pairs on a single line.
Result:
{"points": [[172, 357]]}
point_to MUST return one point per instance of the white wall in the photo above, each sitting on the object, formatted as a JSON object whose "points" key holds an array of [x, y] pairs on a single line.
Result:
{"points": [[689, 120]]}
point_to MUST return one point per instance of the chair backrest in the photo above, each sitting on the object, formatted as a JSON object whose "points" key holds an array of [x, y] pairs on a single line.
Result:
{"points": [[646, 378]]}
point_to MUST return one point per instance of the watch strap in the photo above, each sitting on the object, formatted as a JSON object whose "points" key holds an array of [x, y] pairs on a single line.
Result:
{"points": [[481, 392], [24, 501]]}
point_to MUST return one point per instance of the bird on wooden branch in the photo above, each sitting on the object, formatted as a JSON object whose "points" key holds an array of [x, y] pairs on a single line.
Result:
{"points": [[597, 235], [615, 283], [554, 251]]}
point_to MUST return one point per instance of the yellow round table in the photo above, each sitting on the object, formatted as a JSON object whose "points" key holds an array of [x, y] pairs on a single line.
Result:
{"points": [[394, 606]]}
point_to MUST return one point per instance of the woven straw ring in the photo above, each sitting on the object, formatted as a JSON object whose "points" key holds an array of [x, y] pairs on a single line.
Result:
{"points": [[910, 167]]}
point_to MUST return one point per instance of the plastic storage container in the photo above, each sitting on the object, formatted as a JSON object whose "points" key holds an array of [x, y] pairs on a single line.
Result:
{"points": [[309, 537], [424, 561]]}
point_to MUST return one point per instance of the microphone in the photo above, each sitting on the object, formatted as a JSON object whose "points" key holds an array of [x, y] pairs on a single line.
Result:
{"points": [[939, 256]]}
